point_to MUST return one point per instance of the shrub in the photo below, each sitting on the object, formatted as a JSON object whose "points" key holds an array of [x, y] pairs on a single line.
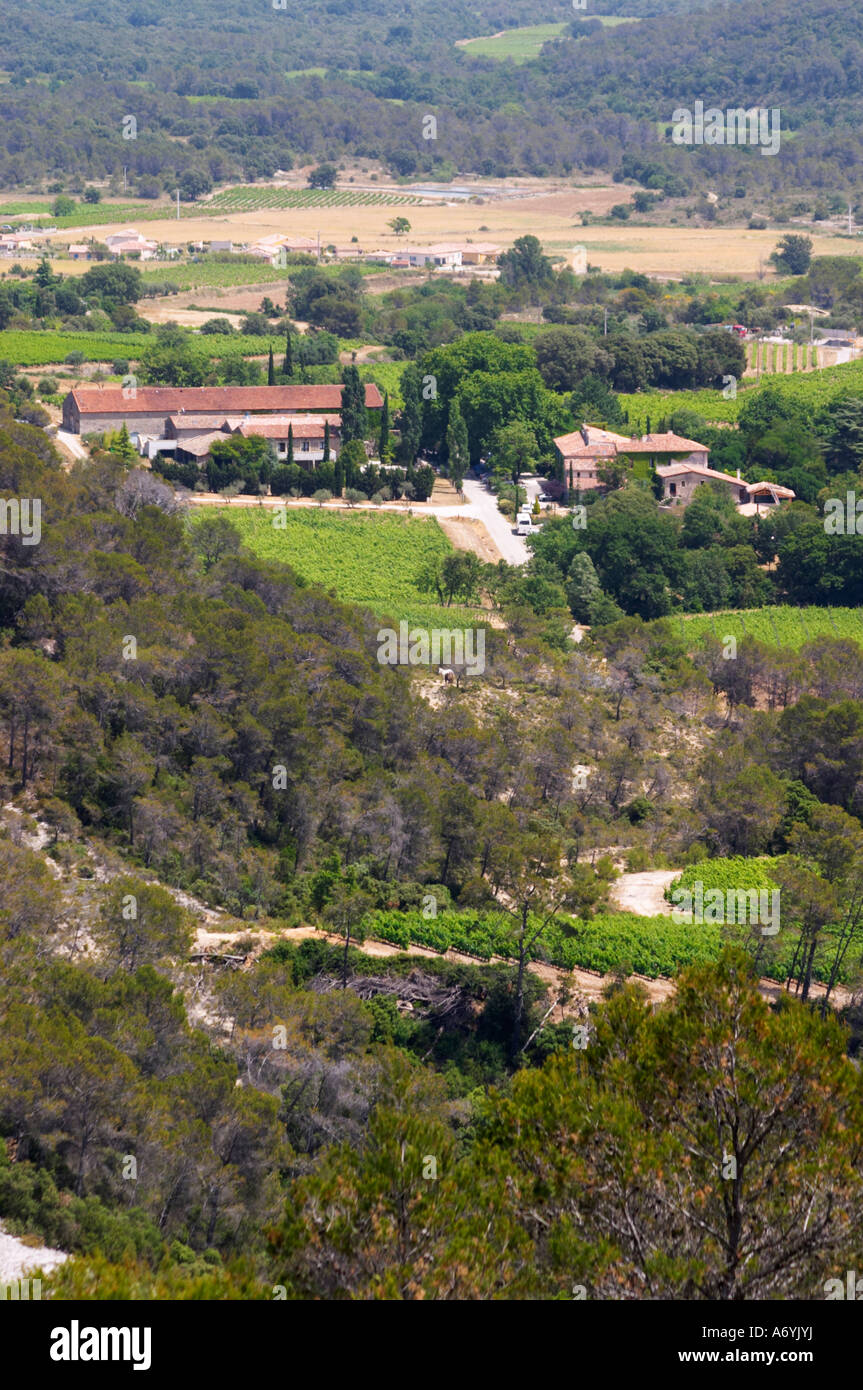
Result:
{"points": [[47, 386]]}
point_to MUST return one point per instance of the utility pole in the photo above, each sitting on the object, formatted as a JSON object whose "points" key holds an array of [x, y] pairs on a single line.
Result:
{"points": [[605, 326], [178, 204]]}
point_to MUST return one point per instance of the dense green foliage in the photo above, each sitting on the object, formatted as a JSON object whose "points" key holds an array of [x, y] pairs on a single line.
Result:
{"points": [[390, 65]]}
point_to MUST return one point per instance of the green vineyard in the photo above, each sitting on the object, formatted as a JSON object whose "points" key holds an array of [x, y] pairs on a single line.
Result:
{"points": [[251, 199], [812, 388], [656, 947], [368, 558], [34, 349], [782, 626]]}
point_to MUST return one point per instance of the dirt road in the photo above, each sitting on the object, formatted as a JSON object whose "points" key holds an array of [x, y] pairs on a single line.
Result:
{"points": [[643, 893], [18, 1258]]}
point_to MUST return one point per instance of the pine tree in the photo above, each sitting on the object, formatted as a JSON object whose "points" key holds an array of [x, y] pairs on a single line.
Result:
{"points": [[271, 371], [122, 446], [326, 458], [288, 365]]}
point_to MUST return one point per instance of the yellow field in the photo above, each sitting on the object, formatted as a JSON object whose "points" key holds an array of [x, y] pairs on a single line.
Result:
{"points": [[550, 210]]}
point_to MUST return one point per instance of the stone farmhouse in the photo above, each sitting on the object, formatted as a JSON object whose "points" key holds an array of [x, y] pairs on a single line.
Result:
{"points": [[679, 481], [586, 451], [189, 438], [147, 410], [681, 464]]}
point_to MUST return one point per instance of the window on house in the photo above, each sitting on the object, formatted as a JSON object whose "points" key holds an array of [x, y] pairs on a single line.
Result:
{"points": [[306, 446]]}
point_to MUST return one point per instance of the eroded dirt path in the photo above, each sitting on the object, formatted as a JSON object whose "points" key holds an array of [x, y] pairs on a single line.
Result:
{"points": [[643, 893]]}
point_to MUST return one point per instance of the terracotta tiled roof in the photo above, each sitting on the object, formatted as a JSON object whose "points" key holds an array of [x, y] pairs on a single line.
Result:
{"points": [[674, 470], [200, 444], [589, 451], [221, 400], [270, 427], [203, 422], [664, 444], [574, 445]]}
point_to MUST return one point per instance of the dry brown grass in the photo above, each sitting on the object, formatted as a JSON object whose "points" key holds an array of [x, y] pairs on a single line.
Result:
{"points": [[548, 208]]}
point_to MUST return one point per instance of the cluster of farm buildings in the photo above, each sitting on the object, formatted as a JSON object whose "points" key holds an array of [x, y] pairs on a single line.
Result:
{"points": [[185, 421], [681, 464]]}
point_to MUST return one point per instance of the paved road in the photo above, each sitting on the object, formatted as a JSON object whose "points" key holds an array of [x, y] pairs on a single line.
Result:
{"points": [[482, 506]]}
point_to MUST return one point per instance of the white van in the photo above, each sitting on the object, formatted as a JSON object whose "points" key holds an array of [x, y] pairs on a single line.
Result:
{"points": [[523, 525]]}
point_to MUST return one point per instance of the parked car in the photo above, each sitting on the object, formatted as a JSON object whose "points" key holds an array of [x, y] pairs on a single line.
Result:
{"points": [[523, 525], [544, 497]]}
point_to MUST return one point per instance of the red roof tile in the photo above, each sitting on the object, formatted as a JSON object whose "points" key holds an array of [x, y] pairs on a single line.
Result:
{"points": [[227, 400]]}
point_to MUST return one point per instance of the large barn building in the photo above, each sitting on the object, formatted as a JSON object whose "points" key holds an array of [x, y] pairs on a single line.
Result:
{"points": [[148, 409]]}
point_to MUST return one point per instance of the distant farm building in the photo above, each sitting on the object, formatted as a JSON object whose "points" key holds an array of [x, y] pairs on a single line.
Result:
{"points": [[130, 242]]}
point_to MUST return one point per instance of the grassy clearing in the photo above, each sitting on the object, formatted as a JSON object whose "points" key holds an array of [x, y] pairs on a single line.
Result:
{"points": [[780, 626], [523, 44], [367, 558], [518, 44]]}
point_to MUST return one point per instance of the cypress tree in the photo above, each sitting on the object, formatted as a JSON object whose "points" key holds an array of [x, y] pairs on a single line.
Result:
{"points": [[271, 371], [338, 478], [290, 458], [326, 441], [385, 425], [354, 422], [410, 420], [288, 364]]}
